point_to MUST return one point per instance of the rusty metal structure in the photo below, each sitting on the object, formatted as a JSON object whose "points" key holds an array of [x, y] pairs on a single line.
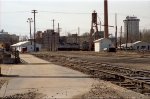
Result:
{"points": [[94, 25], [94, 28]]}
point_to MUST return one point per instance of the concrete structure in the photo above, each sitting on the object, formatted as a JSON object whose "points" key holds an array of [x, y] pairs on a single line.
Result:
{"points": [[101, 44], [133, 28], [39, 37], [52, 81], [138, 45], [25, 46], [50, 40]]}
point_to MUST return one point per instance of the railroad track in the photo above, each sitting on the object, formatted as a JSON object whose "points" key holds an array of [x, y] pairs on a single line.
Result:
{"points": [[136, 80]]}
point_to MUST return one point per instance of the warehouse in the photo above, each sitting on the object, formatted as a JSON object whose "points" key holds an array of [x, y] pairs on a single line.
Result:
{"points": [[26, 46], [138, 45]]}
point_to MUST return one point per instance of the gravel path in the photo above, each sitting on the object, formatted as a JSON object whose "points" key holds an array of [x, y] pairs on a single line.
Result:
{"points": [[40, 77]]}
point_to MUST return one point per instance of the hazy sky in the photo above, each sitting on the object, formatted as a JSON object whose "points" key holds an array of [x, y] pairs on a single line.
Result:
{"points": [[71, 14]]}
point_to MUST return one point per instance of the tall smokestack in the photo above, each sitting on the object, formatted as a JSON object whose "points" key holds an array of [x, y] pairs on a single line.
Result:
{"points": [[105, 19]]}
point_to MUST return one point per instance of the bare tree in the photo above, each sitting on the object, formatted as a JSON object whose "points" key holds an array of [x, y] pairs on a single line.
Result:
{"points": [[145, 35]]}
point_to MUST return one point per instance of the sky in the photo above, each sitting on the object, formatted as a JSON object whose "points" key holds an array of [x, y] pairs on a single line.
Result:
{"points": [[70, 14]]}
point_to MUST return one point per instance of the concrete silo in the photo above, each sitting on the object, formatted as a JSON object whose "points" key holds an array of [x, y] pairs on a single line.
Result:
{"points": [[131, 28]]}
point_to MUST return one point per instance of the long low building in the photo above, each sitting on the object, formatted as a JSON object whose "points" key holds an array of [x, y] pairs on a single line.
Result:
{"points": [[26, 46], [138, 45]]}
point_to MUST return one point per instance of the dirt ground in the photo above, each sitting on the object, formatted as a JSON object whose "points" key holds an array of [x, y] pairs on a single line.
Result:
{"points": [[106, 90], [133, 60], [2, 79]]}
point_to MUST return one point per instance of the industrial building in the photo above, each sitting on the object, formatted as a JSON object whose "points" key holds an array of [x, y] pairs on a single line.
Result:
{"points": [[70, 42], [26, 46], [138, 45], [50, 40], [131, 27]]}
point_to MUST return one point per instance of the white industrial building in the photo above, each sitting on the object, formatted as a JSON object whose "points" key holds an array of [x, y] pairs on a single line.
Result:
{"points": [[26, 46], [102, 44], [131, 24], [138, 45]]}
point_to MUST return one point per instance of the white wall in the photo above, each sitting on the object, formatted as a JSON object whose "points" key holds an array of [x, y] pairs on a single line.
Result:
{"points": [[101, 44], [97, 47], [30, 48], [18, 48]]}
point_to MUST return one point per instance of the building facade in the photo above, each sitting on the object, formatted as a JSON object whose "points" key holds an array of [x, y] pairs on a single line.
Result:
{"points": [[131, 24], [138, 45], [50, 40], [101, 44]]}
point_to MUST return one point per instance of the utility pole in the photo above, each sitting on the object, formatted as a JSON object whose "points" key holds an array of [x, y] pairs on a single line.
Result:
{"points": [[30, 20], [53, 24], [48, 34], [58, 29], [78, 30], [58, 37], [120, 36], [127, 36], [78, 35], [34, 12], [116, 30], [53, 37]]}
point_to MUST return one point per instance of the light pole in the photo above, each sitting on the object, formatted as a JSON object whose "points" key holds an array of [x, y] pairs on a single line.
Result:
{"points": [[29, 20]]}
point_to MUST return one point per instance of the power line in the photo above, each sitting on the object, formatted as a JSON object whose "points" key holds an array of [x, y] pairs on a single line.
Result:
{"points": [[63, 12]]}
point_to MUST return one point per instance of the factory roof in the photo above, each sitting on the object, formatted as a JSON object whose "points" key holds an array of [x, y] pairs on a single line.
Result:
{"points": [[102, 39], [20, 43]]}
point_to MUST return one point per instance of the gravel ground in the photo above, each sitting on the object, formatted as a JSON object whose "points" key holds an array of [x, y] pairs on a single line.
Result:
{"points": [[31, 94], [102, 90], [106, 90], [2, 79]]}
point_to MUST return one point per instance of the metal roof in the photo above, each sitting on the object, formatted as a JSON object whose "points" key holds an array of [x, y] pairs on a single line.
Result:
{"points": [[20, 43]]}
